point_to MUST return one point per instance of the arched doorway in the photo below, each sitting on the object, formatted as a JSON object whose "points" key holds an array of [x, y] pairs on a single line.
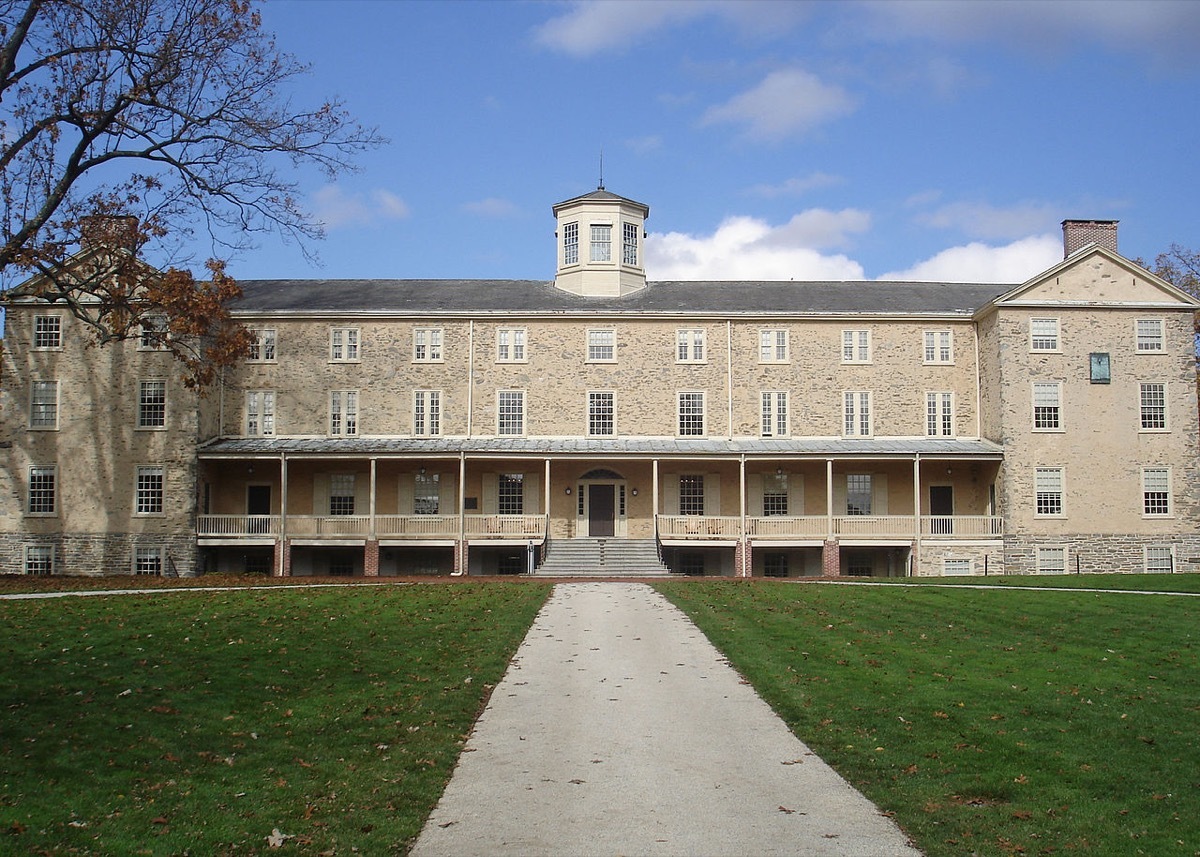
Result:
{"points": [[600, 512]]}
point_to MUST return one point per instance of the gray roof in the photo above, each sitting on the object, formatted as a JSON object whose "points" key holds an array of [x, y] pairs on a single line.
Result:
{"points": [[540, 297], [569, 446]]}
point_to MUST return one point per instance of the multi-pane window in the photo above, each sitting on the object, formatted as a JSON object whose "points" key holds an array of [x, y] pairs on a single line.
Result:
{"points": [[427, 412], [772, 346], [856, 346], [691, 494], [601, 345], [42, 490], [856, 413], [1047, 406], [341, 494], [510, 494], [858, 493], [510, 419], [775, 565], [154, 333], [939, 346], [939, 414], [510, 345], [1043, 334], [148, 498], [1150, 336], [1153, 398], [426, 491], [1159, 559], [343, 412], [1048, 490], [1156, 491], [629, 244], [775, 494], [152, 404], [1051, 560], [47, 331], [262, 346], [343, 344], [691, 414], [601, 242], [43, 405], [774, 422], [39, 559], [600, 414], [427, 344], [689, 345], [956, 567], [148, 562], [260, 413], [570, 243]]}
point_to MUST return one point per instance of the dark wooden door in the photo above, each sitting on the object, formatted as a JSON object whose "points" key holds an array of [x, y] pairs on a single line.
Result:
{"points": [[941, 506], [258, 502], [601, 508]]}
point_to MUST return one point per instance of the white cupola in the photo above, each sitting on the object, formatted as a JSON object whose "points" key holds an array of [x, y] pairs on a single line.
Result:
{"points": [[600, 244]]}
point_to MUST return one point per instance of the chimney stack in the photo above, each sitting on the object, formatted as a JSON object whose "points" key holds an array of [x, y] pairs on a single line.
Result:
{"points": [[1078, 234]]}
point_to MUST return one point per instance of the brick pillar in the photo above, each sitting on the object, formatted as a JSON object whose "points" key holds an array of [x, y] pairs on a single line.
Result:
{"points": [[371, 558], [285, 545], [831, 559], [743, 563], [460, 557]]}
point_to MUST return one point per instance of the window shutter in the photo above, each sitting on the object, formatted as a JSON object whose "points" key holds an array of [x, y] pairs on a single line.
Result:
{"points": [[712, 494], [795, 494], [879, 490], [406, 495], [448, 494], [533, 493], [321, 494], [754, 490], [362, 493], [671, 494], [839, 494], [491, 494]]}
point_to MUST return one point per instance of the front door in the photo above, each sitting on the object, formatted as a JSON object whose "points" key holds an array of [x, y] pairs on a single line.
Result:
{"points": [[601, 510], [941, 506], [258, 502]]}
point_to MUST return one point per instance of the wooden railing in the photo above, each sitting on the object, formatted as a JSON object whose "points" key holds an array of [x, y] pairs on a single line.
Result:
{"points": [[961, 526], [231, 526], [505, 526], [417, 526], [698, 526]]}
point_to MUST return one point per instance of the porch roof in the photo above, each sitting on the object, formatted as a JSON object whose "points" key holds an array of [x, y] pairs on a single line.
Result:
{"points": [[358, 447]]}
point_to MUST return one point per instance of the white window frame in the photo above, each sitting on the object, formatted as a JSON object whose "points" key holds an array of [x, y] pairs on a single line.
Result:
{"points": [[691, 413], [775, 495], [427, 345], [343, 413], [41, 472], [1046, 406], [1043, 563], [1049, 484], [1156, 492], [1166, 552], [510, 345], [48, 405], [510, 413], [427, 413], [343, 490], [856, 346], [1045, 334], [630, 238], [691, 345], [602, 413], [154, 333], [857, 413], [965, 566], [427, 493], [938, 348], [691, 494], [263, 348], [345, 345], [939, 414], [46, 558], [53, 328], [571, 243], [602, 345], [260, 413], [865, 490], [148, 560], [147, 408], [601, 242], [1150, 336], [774, 416], [774, 345], [1149, 412], [150, 491]]}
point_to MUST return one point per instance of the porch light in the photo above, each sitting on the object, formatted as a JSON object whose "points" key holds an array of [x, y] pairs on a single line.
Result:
{"points": [[633, 491], [568, 490]]}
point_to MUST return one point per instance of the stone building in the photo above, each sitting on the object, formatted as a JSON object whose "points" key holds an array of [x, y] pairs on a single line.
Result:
{"points": [[599, 422]]}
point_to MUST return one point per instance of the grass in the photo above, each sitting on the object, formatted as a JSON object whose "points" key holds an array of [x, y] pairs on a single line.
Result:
{"points": [[1131, 582], [204, 722], [987, 722]]}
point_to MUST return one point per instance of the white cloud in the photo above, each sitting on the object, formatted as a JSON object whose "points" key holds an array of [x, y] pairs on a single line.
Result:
{"points": [[986, 221], [796, 186], [336, 209], [786, 103], [490, 207], [746, 248], [979, 263]]}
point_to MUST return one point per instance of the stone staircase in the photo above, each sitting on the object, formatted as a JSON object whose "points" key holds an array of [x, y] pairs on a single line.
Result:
{"points": [[606, 557]]}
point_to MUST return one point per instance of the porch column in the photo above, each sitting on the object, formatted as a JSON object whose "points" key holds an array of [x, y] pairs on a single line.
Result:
{"points": [[286, 553], [654, 494], [371, 558], [546, 495], [917, 495], [371, 517], [283, 558], [829, 497], [831, 559], [460, 544], [744, 566]]}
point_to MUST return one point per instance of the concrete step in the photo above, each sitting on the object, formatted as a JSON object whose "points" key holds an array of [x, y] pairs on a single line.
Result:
{"points": [[602, 557]]}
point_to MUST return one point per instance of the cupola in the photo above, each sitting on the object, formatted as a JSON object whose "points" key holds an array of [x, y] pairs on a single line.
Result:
{"points": [[600, 244]]}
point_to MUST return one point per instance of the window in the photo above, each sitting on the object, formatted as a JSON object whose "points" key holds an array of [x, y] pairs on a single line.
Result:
{"points": [[427, 345], [689, 345], [691, 414], [426, 491], [341, 494], [1048, 490], [601, 346], [858, 493], [570, 243], [510, 496], [1154, 406], [260, 413], [427, 412], [148, 498], [343, 344], [152, 404], [148, 562], [1150, 337], [856, 406], [775, 494], [939, 414], [629, 244], [939, 346], [343, 412], [774, 414], [510, 345], [772, 346], [262, 348], [691, 495], [1158, 559], [1100, 368], [601, 242], [43, 405], [154, 333], [510, 412], [1047, 406], [956, 567], [856, 346], [47, 331], [600, 414], [42, 492], [1043, 334], [775, 565], [1051, 560], [1156, 491], [39, 560]]}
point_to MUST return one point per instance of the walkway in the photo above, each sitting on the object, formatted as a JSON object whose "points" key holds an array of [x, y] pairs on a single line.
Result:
{"points": [[620, 730]]}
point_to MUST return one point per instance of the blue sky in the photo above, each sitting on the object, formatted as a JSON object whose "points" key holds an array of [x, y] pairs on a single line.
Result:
{"points": [[772, 140]]}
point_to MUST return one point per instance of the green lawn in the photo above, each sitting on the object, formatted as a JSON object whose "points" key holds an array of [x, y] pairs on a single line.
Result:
{"points": [[989, 722], [1138, 582], [202, 722]]}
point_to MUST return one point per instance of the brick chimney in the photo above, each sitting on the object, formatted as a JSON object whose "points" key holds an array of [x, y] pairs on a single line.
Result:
{"points": [[1078, 234], [108, 230]]}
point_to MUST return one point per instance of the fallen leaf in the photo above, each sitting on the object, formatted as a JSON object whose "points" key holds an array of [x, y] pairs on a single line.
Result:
{"points": [[277, 839]]}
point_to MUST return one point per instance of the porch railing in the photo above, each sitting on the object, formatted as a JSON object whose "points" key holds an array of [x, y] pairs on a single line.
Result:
{"points": [[505, 526], [416, 525], [328, 525], [698, 526], [218, 526], [962, 526]]}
